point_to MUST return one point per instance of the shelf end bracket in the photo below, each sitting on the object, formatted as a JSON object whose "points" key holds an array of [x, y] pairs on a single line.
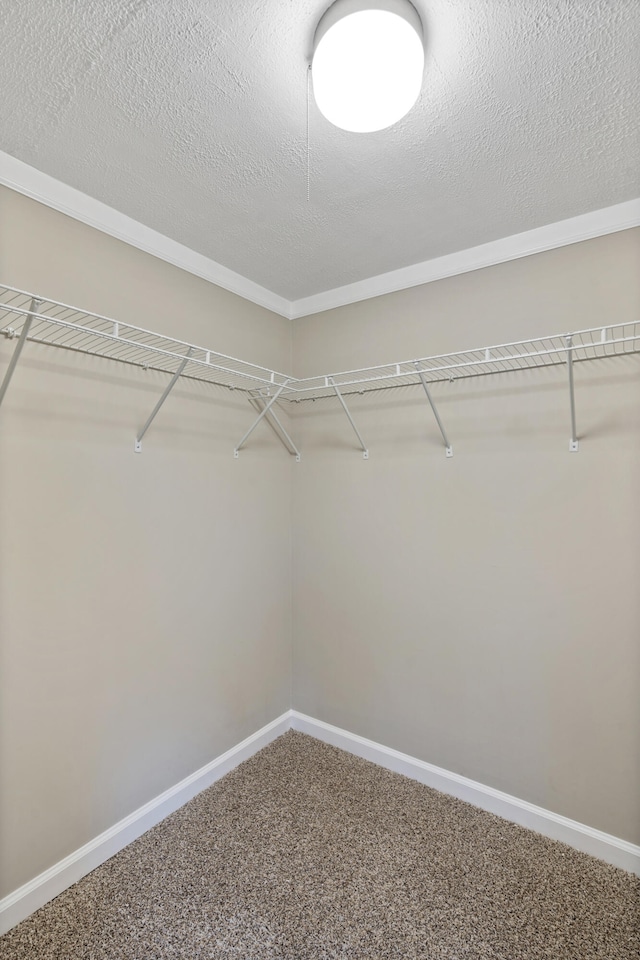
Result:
{"points": [[447, 446], [574, 446], [24, 333], [167, 390], [365, 451]]}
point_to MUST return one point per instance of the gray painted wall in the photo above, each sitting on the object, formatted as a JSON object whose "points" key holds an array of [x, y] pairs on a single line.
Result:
{"points": [[480, 613], [145, 600]]}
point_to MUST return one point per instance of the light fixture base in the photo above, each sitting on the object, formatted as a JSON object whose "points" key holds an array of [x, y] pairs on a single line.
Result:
{"points": [[368, 62]]}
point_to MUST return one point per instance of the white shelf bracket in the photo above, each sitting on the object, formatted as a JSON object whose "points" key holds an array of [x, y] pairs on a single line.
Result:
{"points": [[447, 446], [365, 452], [24, 333], [265, 410], [259, 403], [573, 442], [137, 447]]}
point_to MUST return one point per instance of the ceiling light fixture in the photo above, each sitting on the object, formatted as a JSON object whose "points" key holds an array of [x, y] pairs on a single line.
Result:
{"points": [[368, 59]]}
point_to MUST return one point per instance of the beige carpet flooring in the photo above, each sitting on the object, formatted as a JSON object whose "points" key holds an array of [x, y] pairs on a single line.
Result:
{"points": [[307, 853]]}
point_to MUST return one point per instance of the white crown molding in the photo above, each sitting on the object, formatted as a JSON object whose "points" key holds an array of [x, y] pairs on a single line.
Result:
{"points": [[598, 223], [53, 193], [34, 894], [613, 850]]}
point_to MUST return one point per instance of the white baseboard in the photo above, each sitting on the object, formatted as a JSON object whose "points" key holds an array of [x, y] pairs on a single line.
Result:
{"points": [[34, 894], [613, 850]]}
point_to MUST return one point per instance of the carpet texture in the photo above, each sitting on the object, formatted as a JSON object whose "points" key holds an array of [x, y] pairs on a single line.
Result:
{"points": [[307, 853]]}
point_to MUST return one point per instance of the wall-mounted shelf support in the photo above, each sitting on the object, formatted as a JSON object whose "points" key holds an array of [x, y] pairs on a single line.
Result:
{"points": [[259, 401], [174, 379], [573, 443], [365, 452], [263, 413], [447, 446], [35, 303]]}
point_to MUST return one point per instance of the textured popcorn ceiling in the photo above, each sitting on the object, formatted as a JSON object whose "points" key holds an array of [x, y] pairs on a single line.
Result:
{"points": [[190, 116]]}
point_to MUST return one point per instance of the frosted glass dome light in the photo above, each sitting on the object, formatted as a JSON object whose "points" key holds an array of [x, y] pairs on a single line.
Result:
{"points": [[368, 60]]}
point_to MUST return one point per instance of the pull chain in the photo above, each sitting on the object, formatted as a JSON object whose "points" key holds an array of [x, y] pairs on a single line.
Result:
{"points": [[308, 126]]}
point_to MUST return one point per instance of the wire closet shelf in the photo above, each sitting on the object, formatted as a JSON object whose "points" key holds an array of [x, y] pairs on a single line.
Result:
{"points": [[596, 343], [60, 325], [33, 319]]}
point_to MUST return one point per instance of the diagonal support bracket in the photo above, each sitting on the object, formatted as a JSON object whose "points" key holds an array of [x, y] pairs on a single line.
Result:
{"points": [[447, 446], [263, 413], [365, 452], [174, 379], [259, 402], [24, 333], [574, 446]]}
